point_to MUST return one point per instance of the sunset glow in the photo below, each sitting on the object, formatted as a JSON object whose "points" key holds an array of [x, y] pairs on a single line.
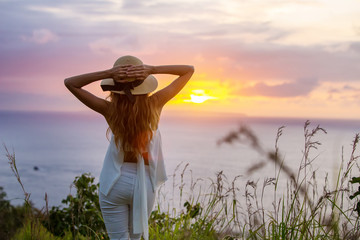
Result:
{"points": [[199, 96], [259, 58]]}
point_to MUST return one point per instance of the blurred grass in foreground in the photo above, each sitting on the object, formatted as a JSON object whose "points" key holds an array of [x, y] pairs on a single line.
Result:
{"points": [[216, 209]]}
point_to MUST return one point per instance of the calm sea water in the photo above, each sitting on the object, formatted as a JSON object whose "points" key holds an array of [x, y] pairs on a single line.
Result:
{"points": [[65, 145]]}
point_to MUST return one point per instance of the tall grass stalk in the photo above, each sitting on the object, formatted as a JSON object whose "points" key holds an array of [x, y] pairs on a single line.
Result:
{"points": [[33, 217], [303, 210], [219, 208]]}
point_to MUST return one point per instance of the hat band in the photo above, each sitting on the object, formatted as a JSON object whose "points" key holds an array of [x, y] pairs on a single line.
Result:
{"points": [[123, 86]]}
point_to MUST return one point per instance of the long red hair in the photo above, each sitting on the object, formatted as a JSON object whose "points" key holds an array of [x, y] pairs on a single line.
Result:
{"points": [[132, 123]]}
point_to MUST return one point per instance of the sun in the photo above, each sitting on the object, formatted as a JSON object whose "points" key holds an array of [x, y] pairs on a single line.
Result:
{"points": [[199, 96]]}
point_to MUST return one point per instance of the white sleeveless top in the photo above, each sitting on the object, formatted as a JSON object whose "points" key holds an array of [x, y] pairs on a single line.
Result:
{"points": [[110, 173]]}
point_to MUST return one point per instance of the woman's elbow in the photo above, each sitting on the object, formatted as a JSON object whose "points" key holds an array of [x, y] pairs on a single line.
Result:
{"points": [[191, 69], [67, 83]]}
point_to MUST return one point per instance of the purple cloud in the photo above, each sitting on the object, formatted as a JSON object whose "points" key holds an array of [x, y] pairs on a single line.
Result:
{"points": [[41, 36], [80, 36], [300, 87]]}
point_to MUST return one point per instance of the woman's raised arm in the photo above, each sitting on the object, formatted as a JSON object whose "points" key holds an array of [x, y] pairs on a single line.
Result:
{"points": [[75, 84], [183, 71], [164, 95]]}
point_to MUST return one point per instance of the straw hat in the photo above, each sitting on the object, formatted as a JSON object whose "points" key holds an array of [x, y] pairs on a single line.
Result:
{"points": [[132, 87]]}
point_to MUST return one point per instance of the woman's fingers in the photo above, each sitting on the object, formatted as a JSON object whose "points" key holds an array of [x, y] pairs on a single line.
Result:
{"points": [[137, 73], [135, 67], [127, 73], [121, 68], [129, 78], [134, 74]]}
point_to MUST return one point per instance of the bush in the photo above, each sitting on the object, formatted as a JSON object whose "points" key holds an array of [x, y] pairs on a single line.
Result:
{"points": [[82, 213], [11, 217], [298, 212], [34, 230]]}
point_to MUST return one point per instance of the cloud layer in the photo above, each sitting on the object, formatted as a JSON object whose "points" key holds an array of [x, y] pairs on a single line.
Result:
{"points": [[300, 87], [274, 49], [41, 36]]}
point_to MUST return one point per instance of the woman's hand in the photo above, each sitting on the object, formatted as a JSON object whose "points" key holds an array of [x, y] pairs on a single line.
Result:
{"points": [[119, 73], [139, 72]]}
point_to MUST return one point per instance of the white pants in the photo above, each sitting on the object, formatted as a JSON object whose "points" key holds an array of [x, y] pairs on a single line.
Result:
{"points": [[117, 206]]}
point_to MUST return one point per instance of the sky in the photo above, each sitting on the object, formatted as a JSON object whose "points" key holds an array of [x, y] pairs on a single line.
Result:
{"points": [[272, 58]]}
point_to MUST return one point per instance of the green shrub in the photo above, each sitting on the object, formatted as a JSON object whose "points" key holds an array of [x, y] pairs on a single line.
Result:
{"points": [[298, 212], [82, 214], [187, 225], [11, 217], [34, 230]]}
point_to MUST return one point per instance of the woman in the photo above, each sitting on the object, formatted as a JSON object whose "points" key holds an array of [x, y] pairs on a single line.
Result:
{"points": [[133, 166]]}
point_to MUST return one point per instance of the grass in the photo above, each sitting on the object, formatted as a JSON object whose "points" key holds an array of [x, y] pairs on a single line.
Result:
{"points": [[217, 208]]}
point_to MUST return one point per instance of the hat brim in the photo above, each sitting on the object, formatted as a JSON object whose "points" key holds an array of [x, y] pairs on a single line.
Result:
{"points": [[149, 85]]}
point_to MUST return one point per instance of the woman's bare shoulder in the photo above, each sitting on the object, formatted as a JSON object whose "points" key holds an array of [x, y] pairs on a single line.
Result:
{"points": [[156, 103]]}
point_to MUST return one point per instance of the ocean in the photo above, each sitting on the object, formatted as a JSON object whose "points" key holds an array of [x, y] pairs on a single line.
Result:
{"points": [[51, 149]]}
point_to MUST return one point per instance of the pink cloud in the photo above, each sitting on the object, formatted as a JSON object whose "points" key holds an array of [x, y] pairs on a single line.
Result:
{"points": [[300, 87], [41, 36]]}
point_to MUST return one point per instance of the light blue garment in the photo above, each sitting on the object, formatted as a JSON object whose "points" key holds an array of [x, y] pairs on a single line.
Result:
{"points": [[117, 207], [110, 173]]}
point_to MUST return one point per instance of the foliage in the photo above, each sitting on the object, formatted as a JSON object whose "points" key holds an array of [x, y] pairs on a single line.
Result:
{"points": [[221, 211], [301, 211], [36, 231], [28, 232], [187, 225], [82, 212], [11, 217]]}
